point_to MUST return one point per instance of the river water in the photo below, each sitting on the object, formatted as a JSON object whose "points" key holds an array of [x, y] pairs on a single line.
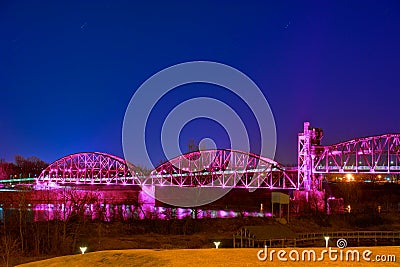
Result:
{"points": [[112, 205]]}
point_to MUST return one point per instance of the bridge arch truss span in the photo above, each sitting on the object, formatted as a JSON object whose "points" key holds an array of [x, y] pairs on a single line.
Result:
{"points": [[376, 154], [88, 168], [222, 168]]}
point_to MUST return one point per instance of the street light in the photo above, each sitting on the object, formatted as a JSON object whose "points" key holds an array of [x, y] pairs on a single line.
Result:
{"points": [[83, 249], [326, 241]]}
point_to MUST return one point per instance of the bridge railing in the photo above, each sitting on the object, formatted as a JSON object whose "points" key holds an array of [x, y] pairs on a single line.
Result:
{"points": [[349, 234]]}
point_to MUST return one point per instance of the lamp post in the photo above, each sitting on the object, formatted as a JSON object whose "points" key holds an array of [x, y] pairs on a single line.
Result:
{"points": [[326, 241], [83, 249]]}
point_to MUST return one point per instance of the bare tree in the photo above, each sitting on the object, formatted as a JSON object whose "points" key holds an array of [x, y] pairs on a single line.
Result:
{"points": [[192, 146], [8, 248]]}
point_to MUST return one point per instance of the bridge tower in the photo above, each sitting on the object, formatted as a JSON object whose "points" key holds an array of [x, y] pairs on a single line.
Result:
{"points": [[309, 138]]}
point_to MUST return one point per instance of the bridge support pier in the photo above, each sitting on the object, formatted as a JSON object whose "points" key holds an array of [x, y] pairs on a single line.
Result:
{"points": [[147, 199], [307, 140]]}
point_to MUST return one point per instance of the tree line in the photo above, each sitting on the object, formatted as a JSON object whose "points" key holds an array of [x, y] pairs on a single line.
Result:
{"points": [[21, 167]]}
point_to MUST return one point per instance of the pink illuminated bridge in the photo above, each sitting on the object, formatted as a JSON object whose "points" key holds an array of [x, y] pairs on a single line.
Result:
{"points": [[233, 168]]}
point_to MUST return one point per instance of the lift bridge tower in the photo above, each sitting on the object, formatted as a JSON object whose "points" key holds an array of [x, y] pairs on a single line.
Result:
{"points": [[308, 140]]}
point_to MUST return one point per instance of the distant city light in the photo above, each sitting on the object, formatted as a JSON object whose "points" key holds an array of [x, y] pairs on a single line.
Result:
{"points": [[349, 177], [348, 208]]}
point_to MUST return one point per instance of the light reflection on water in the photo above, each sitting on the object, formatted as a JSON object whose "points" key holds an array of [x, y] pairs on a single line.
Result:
{"points": [[111, 212], [109, 205]]}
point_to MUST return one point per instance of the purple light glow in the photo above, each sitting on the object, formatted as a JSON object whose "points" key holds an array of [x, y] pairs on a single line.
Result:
{"points": [[222, 214]]}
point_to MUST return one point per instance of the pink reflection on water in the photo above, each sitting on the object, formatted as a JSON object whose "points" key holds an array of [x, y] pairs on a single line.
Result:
{"points": [[108, 205], [222, 214], [111, 212]]}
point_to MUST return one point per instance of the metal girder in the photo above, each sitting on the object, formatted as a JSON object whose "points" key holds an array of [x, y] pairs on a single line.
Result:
{"points": [[307, 140], [232, 168], [376, 154], [304, 169], [88, 168], [210, 168], [221, 168]]}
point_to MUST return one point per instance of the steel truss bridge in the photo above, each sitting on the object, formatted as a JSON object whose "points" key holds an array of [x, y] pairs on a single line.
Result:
{"points": [[209, 168], [226, 168]]}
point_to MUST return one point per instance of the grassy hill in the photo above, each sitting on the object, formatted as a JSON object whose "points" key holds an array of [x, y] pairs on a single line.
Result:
{"points": [[199, 257]]}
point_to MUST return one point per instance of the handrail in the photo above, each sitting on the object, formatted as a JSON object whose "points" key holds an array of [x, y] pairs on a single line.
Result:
{"points": [[341, 234]]}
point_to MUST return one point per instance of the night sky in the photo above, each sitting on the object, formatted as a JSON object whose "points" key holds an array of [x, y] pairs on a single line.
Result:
{"points": [[69, 69]]}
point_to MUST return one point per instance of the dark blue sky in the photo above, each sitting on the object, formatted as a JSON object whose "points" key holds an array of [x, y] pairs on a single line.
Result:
{"points": [[68, 69]]}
